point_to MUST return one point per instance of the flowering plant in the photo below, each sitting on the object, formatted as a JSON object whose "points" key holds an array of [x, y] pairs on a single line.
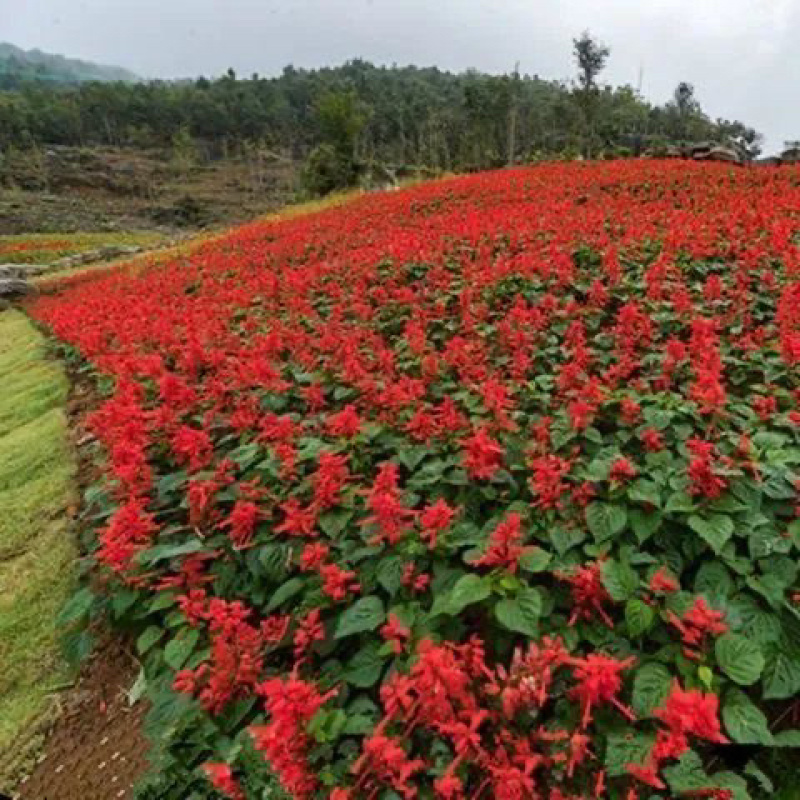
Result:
{"points": [[483, 489]]}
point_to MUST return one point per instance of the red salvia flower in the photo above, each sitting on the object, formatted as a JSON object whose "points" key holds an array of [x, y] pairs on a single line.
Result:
{"points": [[434, 520], [663, 583], [483, 455], [589, 595], [505, 545], [221, 777], [599, 681], [395, 632]]}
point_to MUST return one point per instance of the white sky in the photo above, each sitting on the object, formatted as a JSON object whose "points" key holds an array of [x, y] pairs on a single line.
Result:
{"points": [[741, 55]]}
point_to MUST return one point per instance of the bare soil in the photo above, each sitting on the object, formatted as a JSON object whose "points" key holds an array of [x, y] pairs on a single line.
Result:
{"points": [[68, 189], [95, 749]]}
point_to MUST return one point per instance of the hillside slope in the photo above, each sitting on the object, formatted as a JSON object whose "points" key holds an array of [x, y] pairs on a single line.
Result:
{"points": [[18, 66]]}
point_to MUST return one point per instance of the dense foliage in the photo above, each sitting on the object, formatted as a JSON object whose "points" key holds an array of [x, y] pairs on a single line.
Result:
{"points": [[419, 116], [484, 489]]}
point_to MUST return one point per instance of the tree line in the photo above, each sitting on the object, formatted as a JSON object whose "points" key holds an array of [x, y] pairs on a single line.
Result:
{"points": [[359, 113]]}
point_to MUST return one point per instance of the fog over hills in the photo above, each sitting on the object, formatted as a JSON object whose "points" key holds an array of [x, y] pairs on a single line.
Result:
{"points": [[18, 66]]}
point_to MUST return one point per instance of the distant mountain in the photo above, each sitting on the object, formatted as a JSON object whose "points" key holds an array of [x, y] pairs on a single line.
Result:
{"points": [[18, 66]]}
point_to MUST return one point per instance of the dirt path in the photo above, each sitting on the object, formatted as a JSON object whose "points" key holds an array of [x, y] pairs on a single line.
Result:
{"points": [[96, 749]]}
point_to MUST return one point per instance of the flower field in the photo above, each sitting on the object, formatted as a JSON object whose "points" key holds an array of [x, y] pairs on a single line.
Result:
{"points": [[482, 489], [47, 248]]}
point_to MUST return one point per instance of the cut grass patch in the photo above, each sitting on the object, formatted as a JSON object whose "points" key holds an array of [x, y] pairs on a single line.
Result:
{"points": [[37, 550]]}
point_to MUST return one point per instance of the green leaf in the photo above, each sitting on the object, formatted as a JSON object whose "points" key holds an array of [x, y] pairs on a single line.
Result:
{"points": [[122, 600], [705, 676], [605, 520], [285, 592], [646, 493], [745, 723], [365, 667], [332, 523], [564, 539], [520, 613], [163, 552], [161, 601], [469, 589], [715, 530], [535, 560], [651, 685], [739, 658], [358, 725], [136, 692], [644, 524], [620, 580], [272, 559], [781, 677], [390, 573], [625, 748], [365, 614], [178, 650], [687, 774], [638, 616], [752, 770], [749, 619], [680, 502], [713, 580], [77, 607], [148, 638], [787, 739], [730, 780], [410, 457]]}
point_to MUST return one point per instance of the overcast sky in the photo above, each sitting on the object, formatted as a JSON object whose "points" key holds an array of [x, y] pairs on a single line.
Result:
{"points": [[741, 55]]}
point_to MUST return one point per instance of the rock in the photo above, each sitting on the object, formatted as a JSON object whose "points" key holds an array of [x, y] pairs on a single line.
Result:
{"points": [[718, 153], [22, 270], [700, 149], [14, 287], [106, 253], [791, 156]]}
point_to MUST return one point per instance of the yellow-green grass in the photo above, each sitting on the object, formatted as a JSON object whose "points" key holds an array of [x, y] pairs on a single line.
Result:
{"points": [[37, 548], [45, 248]]}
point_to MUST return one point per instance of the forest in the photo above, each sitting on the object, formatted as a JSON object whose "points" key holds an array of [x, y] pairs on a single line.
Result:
{"points": [[368, 114]]}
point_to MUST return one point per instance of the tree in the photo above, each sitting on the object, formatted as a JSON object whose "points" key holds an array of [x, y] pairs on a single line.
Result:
{"points": [[590, 57], [686, 110], [684, 98], [340, 118], [326, 170], [405, 117], [184, 149], [332, 165]]}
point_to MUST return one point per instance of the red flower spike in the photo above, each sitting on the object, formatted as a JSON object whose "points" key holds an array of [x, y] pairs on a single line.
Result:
{"points": [[599, 681]]}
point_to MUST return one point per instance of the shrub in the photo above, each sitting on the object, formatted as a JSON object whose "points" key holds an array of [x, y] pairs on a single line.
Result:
{"points": [[483, 489], [328, 169]]}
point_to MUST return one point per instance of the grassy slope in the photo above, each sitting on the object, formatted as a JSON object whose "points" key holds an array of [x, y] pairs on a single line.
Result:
{"points": [[37, 552]]}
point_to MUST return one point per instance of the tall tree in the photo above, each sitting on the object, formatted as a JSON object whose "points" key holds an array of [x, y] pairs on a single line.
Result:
{"points": [[686, 106], [341, 118], [590, 57]]}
